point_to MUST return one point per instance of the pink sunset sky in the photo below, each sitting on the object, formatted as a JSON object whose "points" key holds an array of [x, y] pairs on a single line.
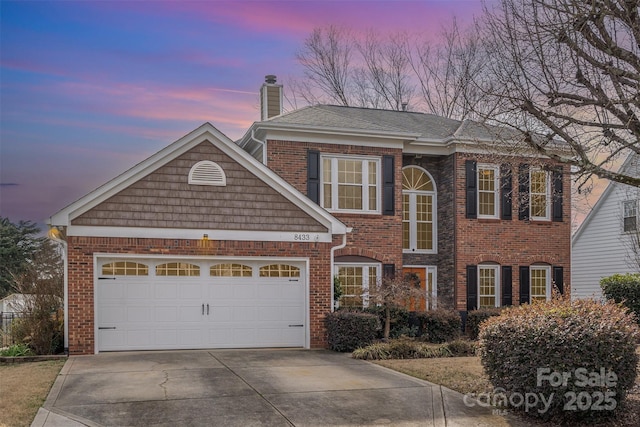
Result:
{"points": [[90, 88]]}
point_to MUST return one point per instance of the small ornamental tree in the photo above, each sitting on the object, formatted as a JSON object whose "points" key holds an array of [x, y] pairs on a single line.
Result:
{"points": [[561, 360], [394, 292]]}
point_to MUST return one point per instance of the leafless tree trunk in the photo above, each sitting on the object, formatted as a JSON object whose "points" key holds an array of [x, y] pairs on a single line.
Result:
{"points": [[570, 70]]}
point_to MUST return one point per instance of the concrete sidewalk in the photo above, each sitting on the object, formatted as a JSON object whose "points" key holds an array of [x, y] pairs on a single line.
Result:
{"points": [[247, 388]]}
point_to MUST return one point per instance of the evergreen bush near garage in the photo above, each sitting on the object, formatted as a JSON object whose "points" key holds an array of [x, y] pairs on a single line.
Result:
{"points": [[399, 321], [560, 337], [348, 330], [476, 317], [439, 325], [625, 289]]}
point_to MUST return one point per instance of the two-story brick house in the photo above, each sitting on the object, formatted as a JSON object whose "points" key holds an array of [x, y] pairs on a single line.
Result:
{"points": [[427, 195], [213, 243]]}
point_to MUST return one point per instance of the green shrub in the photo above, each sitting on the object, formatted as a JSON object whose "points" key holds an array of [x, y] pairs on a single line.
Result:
{"points": [[625, 289], [561, 337], [403, 348], [17, 350], [399, 321], [440, 325], [476, 317], [348, 330], [462, 348]]}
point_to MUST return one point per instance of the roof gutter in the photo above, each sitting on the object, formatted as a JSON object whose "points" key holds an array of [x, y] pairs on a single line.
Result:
{"points": [[262, 144]]}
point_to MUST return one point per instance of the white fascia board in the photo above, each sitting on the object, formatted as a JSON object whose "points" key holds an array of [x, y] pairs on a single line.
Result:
{"points": [[205, 132], [301, 236], [602, 200], [112, 187], [320, 134]]}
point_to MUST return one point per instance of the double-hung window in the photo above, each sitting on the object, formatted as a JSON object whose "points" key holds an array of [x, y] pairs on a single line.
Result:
{"points": [[419, 225], [355, 280], [629, 216], [540, 282], [351, 184], [488, 286], [539, 194], [488, 191]]}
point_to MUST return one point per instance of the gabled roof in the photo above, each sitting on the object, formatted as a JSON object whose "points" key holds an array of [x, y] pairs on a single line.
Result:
{"points": [[205, 132], [627, 167]]}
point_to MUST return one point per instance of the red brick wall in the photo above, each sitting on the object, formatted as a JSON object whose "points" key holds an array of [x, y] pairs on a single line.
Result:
{"points": [[374, 236], [81, 277], [516, 242]]}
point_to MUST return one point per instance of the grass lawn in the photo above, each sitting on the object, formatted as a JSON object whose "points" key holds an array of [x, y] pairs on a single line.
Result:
{"points": [[24, 388], [465, 374]]}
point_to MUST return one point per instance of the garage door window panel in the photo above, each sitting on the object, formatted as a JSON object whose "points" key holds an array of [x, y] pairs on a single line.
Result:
{"points": [[125, 268], [178, 269], [231, 270], [279, 270]]}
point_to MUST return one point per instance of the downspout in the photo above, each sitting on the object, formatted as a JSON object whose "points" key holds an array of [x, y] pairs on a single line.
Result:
{"points": [[333, 250], [264, 147], [56, 235]]}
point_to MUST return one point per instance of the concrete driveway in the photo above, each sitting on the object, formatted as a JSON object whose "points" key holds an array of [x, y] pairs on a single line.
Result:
{"points": [[247, 388]]}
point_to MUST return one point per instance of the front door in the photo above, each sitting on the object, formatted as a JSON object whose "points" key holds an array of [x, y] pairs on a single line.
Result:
{"points": [[426, 277]]}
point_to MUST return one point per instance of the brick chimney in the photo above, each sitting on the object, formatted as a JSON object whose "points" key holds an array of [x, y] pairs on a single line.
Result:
{"points": [[270, 98]]}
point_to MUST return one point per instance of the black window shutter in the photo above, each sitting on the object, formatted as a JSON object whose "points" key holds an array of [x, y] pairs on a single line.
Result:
{"points": [[388, 270], [507, 297], [313, 175], [523, 192], [472, 287], [558, 278], [524, 285], [506, 192], [388, 182], [557, 195], [470, 167]]}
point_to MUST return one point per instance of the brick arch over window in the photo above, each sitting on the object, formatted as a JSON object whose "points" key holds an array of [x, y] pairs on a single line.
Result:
{"points": [[352, 251], [491, 258]]}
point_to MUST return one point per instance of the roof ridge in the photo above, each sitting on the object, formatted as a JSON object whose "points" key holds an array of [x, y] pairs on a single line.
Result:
{"points": [[361, 120]]}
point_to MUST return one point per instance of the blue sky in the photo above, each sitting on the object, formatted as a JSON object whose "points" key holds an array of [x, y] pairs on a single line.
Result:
{"points": [[90, 88]]}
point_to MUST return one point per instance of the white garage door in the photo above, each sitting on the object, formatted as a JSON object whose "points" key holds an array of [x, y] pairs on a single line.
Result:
{"points": [[158, 304]]}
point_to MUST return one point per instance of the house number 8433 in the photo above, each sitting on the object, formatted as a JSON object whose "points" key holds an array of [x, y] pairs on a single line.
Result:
{"points": [[302, 237]]}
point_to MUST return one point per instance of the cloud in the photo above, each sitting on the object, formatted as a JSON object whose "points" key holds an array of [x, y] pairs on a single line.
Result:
{"points": [[8, 184]]}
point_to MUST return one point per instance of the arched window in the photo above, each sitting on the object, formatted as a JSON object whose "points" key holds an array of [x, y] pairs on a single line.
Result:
{"points": [[207, 173], [230, 270], [125, 268], [279, 270], [419, 226], [177, 269]]}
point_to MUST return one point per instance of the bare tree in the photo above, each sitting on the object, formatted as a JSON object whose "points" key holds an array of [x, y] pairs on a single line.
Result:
{"points": [[327, 58], [569, 70], [447, 71], [397, 291]]}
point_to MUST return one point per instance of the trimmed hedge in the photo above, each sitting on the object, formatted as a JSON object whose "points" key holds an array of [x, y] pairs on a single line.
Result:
{"points": [[348, 330], [476, 317], [400, 324], [526, 346], [625, 289], [440, 325]]}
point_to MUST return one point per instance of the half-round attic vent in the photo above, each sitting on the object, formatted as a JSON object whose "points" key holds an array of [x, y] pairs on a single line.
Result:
{"points": [[207, 173]]}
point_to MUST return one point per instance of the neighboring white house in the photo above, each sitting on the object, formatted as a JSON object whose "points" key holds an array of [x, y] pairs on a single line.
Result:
{"points": [[604, 243]]}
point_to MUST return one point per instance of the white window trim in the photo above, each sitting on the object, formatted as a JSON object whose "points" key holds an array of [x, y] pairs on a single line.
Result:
{"points": [[365, 277], [498, 290], [547, 269], [496, 193], [365, 183], [413, 222], [547, 209], [622, 206]]}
